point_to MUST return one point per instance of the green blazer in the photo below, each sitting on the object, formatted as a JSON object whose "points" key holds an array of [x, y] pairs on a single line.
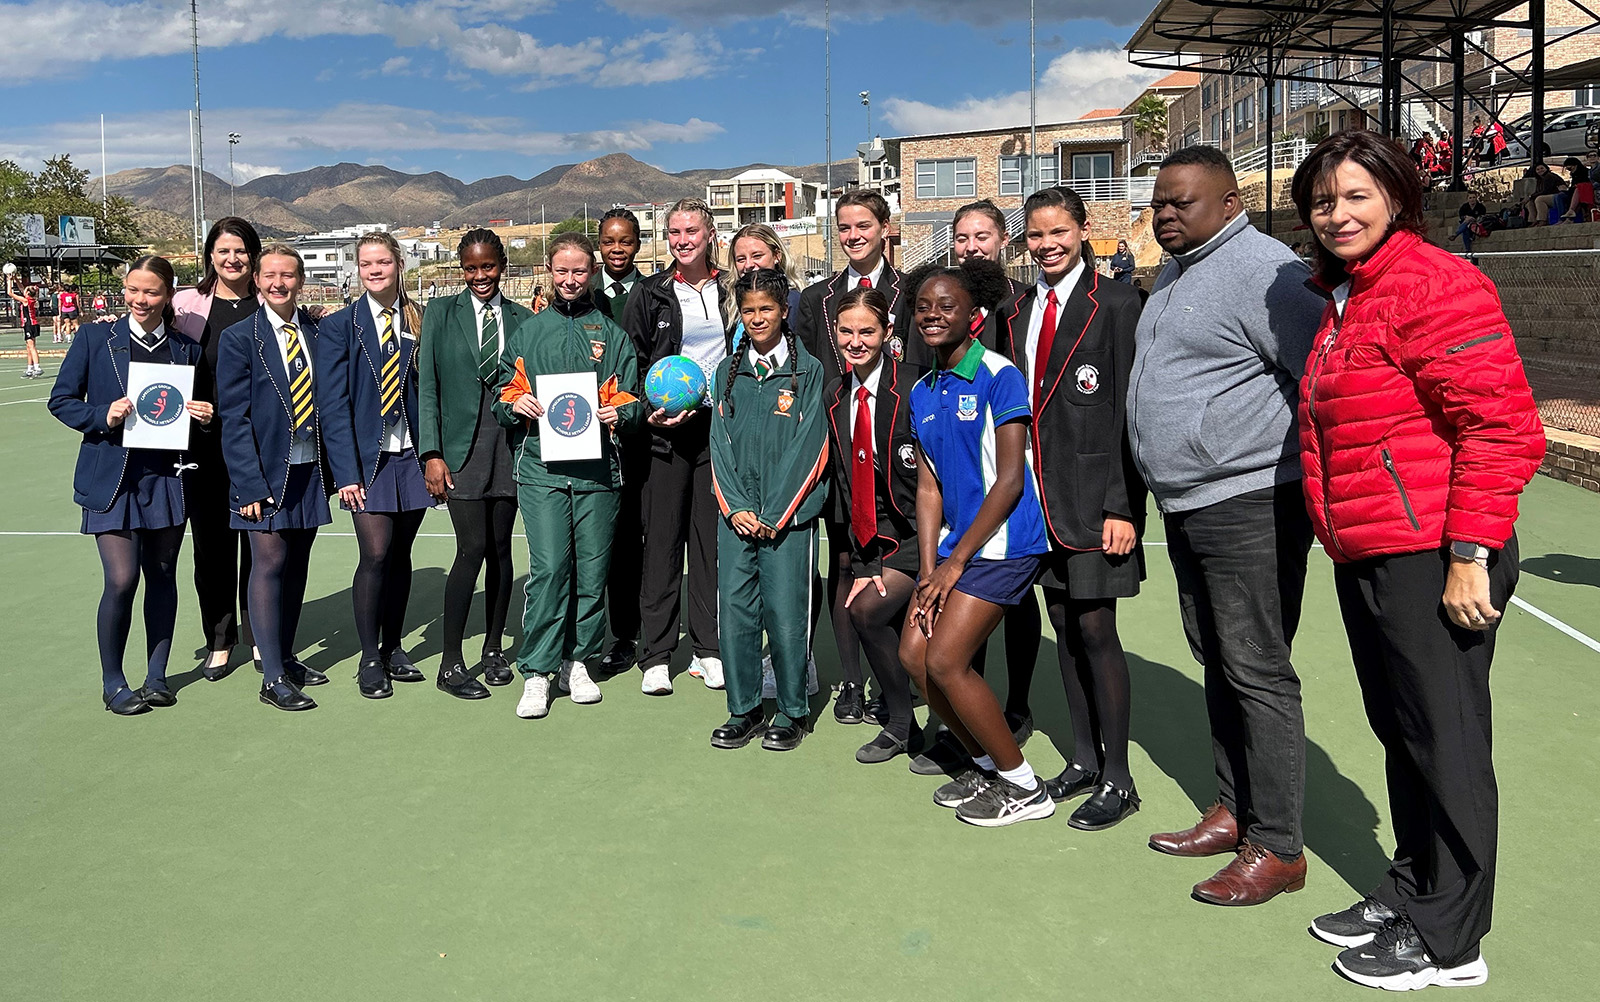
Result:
{"points": [[614, 309], [449, 390]]}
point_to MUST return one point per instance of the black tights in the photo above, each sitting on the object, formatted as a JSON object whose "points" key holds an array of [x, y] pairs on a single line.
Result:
{"points": [[840, 578], [279, 562], [382, 584], [124, 555], [483, 536], [877, 620], [1094, 672]]}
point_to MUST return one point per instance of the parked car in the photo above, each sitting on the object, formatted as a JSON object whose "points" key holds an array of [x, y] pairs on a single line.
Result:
{"points": [[1566, 133]]}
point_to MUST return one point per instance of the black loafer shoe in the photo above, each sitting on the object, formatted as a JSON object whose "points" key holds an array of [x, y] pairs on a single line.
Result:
{"points": [[784, 738], [158, 695], [619, 658], [880, 749], [285, 695], [876, 712], [125, 702], [496, 669], [213, 674], [944, 756], [458, 682], [1104, 808], [372, 681], [1074, 781], [848, 708], [738, 731], [302, 674], [399, 668]]}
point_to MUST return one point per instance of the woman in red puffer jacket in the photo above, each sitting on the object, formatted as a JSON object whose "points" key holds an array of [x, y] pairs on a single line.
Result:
{"points": [[1417, 434]]}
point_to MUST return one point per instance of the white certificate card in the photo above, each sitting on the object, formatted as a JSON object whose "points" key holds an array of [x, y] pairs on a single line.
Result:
{"points": [[158, 419], [570, 427]]}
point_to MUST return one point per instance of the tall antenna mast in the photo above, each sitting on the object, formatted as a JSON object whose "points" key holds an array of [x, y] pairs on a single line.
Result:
{"points": [[827, 118], [199, 170]]}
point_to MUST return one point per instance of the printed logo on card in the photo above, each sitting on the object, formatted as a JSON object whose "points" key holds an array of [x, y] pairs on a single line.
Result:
{"points": [[160, 404], [967, 407], [570, 415]]}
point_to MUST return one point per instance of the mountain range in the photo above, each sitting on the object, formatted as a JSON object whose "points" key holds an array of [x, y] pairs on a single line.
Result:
{"points": [[347, 194]]}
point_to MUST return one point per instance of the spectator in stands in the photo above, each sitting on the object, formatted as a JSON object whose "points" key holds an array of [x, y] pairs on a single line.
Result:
{"points": [[1444, 156], [1468, 226], [1546, 186], [1417, 434], [1578, 198], [1122, 263]]}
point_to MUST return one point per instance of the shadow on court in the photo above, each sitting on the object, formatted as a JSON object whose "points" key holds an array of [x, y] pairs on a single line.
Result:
{"points": [[1566, 568], [329, 620]]}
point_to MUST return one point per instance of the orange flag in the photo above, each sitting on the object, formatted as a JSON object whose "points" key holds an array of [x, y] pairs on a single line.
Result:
{"points": [[610, 396]]}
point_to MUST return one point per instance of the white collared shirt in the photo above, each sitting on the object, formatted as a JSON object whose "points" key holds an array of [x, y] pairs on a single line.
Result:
{"points": [[853, 278], [396, 437], [608, 284], [301, 450], [1063, 291], [480, 307], [777, 356], [151, 340], [871, 383]]}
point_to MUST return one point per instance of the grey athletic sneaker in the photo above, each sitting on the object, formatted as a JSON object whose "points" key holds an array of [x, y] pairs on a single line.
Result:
{"points": [[1005, 803], [963, 788]]}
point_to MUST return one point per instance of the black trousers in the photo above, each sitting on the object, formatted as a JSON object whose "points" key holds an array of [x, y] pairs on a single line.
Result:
{"points": [[627, 546], [221, 556], [680, 509], [1425, 683], [1241, 570]]}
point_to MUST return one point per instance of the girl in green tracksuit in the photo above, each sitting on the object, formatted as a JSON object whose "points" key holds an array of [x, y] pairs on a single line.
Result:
{"points": [[569, 509], [769, 452]]}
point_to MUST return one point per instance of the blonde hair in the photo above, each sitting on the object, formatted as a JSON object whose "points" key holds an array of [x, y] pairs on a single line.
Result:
{"points": [[282, 250], [698, 207], [768, 236], [385, 239]]}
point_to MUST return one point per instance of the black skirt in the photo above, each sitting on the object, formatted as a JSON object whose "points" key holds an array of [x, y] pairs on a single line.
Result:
{"points": [[489, 469], [1090, 574]]}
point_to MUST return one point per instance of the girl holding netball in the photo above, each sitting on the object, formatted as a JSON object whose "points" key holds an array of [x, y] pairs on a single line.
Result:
{"points": [[980, 534], [132, 500], [28, 315]]}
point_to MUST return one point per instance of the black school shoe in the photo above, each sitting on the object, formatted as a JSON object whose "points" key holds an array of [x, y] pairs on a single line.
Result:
{"points": [[125, 702], [458, 682], [157, 694], [372, 681], [1356, 925], [285, 695], [784, 737], [1106, 807], [302, 674], [1397, 960], [876, 712], [850, 707], [397, 665], [738, 731], [883, 748], [619, 658], [944, 756], [1074, 781], [496, 669]]}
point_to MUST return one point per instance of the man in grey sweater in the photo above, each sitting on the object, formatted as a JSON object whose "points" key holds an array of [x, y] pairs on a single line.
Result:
{"points": [[1221, 346]]}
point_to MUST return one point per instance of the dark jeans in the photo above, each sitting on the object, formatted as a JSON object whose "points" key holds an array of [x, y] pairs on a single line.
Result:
{"points": [[1425, 683], [1241, 570]]}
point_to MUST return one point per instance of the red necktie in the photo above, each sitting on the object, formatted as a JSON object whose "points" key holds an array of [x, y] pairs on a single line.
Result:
{"points": [[865, 283], [863, 500], [1047, 337]]}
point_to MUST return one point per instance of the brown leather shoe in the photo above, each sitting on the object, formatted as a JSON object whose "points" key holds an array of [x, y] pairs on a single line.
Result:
{"points": [[1216, 833], [1254, 876]]}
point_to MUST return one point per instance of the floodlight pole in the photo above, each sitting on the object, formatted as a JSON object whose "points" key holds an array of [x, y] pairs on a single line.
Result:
{"points": [[1536, 72], [1033, 113], [1270, 151], [199, 133], [827, 125], [1389, 128]]}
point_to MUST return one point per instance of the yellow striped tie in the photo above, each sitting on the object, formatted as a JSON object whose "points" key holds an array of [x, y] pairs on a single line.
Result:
{"points": [[391, 370], [299, 383]]}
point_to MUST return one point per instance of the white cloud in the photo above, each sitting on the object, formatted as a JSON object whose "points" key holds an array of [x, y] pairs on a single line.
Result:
{"points": [[396, 65], [1075, 82], [245, 172], [809, 12]]}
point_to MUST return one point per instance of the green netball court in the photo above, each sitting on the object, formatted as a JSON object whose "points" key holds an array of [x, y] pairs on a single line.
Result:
{"points": [[424, 848]]}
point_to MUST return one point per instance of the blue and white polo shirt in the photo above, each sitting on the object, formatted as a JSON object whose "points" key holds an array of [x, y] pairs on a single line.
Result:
{"points": [[954, 413]]}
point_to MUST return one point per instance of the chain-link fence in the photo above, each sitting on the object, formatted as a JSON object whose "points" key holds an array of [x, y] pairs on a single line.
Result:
{"points": [[1552, 299]]}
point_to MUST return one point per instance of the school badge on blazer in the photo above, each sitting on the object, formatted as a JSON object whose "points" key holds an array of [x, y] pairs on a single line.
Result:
{"points": [[908, 456], [785, 403], [597, 350], [897, 348], [1088, 378]]}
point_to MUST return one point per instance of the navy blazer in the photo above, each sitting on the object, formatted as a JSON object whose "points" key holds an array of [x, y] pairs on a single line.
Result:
{"points": [[257, 419], [1079, 435], [894, 470], [93, 376], [350, 392]]}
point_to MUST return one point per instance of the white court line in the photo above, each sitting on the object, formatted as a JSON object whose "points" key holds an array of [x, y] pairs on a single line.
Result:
{"points": [[1523, 604], [31, 400]]}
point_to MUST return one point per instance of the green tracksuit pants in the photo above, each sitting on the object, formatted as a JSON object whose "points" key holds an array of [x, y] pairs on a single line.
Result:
{"points": [[569, 555], [766, 585]]}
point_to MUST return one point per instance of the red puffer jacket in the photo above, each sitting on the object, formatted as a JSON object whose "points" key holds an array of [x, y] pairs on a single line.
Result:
{"points": [[1417, 426]]}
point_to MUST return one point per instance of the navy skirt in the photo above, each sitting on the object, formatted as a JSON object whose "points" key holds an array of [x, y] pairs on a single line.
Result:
{"points": [[304, 504], [151, 496], [398, 486], [1003, 582]]}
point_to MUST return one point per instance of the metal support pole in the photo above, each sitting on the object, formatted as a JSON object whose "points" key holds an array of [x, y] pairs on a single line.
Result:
{"points": [[1387, 124], [1536, 73], [827, 127], [1270, 150], [1458, 59]]}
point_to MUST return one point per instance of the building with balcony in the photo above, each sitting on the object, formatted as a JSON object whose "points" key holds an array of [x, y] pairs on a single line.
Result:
{"points": [[760, 195], [878, 168]]}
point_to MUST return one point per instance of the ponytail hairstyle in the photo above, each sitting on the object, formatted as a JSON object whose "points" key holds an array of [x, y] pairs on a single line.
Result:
{"points": [[162, 269], [1067, 201], [867, 199], [872, 299], [408, 310], [232, 226], [698, 207], [574, 239], [774, 284], [983, 280], [730, 275], [983, 207], [488, 238]]}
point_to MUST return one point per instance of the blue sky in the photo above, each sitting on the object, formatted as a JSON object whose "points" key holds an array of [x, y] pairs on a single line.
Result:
{"points": [[477, 88]]}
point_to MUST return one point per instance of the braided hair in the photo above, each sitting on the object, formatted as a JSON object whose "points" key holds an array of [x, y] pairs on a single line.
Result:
{"points": [[984, 280], [770, 283], [488, 238]]}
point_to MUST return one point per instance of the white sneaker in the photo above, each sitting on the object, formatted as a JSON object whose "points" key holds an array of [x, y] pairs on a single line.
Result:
{"points": [[657, 681], [710, 672], [535, 701], [576, 680]]}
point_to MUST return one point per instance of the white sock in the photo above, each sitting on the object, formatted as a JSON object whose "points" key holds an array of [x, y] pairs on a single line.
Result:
{"points": [[1021, 776], [983, 762]]}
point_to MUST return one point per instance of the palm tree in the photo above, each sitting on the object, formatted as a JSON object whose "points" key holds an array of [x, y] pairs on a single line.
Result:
{"points": [[1150, 121]]}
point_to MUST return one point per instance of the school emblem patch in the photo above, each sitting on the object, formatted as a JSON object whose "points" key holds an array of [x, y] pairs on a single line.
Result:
{"points": [[897, 348], [597, 350], [1088, 378], [785, 403], [908, 456], [967, 407]]}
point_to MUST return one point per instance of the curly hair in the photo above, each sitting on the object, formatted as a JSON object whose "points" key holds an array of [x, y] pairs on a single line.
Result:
{"points": [[775, 284], [984, 281]]}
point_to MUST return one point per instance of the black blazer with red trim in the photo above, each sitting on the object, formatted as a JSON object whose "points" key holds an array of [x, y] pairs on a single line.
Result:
{"points": [[819, 309], [1080, 443], [894, 467]]}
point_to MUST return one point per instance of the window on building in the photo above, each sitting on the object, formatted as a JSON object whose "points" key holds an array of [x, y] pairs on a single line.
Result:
{"points": [[1243, 114], [1205, 96], [1090, 165], [722, 197], [1587, 96], [1215, 132], [955, 178], [1013, 183], [309, 257]]}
